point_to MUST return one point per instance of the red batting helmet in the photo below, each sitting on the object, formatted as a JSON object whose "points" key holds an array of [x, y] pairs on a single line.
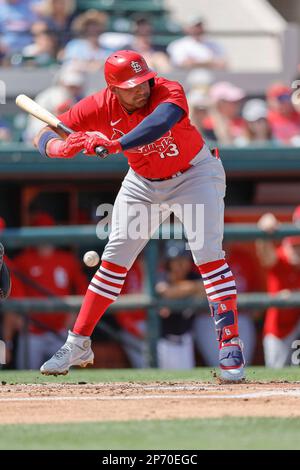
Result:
{"points": [[126, 69]]}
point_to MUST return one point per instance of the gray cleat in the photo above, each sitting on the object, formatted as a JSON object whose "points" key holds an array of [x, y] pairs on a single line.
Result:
{"points": [[75, 352]]}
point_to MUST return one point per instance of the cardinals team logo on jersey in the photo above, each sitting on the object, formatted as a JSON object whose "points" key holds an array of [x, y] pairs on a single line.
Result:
{"points": [[165, 146], [116, 134]]}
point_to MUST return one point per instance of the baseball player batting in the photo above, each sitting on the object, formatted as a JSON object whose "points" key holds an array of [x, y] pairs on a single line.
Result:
{"points": [[147, 119]]}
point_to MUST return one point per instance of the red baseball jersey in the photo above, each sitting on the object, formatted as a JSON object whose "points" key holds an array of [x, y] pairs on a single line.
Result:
{"points": [[162, 158], [60, 273], [243, 264], [284, 128], [283, 275]]}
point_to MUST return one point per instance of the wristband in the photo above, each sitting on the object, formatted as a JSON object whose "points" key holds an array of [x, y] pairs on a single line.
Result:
{"points": [[44, 139]]}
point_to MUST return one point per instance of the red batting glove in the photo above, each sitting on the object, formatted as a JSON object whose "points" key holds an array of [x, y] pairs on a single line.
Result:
{"points": [[66, 148], [93, 140]]}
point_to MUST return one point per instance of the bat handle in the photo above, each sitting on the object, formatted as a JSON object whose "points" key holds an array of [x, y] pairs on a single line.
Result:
{"points": [[102, 152], [64, 128]]}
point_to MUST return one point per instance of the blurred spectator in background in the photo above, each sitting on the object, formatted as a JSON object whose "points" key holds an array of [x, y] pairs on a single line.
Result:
{"points": [[16, 19], [257, 127], [175, 348], [85, 50], [244, 268], [11, 321], [58, 15], [58, 98], [133, 323], [5, 132], [282, 116], [225, 119], [282, 326], [199, 104], [46, 272], [195, 50], [142, 43], [296, 217], [200, 79], [43, 51]]}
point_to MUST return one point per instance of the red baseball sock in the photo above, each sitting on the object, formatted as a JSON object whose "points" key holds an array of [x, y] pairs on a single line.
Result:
{"points": [[218, 280], [103, 290]]}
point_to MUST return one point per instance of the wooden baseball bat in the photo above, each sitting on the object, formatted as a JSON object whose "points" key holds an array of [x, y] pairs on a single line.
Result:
{"points": [[33, 108]]}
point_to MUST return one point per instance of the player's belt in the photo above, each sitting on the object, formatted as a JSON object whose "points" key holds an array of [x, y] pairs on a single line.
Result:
{"points": [[214, 152], [170, 177]]}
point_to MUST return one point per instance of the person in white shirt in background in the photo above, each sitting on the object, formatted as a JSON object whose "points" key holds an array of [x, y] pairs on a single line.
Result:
{"points": [[58, 98], [194, 50]]}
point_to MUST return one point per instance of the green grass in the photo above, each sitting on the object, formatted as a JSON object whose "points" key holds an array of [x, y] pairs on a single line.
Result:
{"points": [[229, 433], [145, 375]]}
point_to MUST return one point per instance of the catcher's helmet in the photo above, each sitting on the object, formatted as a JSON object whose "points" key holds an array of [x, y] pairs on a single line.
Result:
{"points": [[126, 69]]}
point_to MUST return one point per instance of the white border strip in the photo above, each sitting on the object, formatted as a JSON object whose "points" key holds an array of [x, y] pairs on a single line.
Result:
{"points": [[267, 393]]}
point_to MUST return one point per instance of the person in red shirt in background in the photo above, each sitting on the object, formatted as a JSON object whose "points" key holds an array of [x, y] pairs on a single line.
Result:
{"points": [[244, 268], [282, 116], [282, 326], [133, 323], [49, 272]]}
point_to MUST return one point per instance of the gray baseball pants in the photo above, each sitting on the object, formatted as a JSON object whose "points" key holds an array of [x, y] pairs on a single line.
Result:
{"points": [[196, 197]]}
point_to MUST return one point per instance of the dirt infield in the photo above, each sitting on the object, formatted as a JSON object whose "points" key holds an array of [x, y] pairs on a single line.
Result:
{"points": [[61, 403]]}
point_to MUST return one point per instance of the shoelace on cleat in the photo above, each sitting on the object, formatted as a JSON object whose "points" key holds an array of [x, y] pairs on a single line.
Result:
{"points": [[64, 350]]}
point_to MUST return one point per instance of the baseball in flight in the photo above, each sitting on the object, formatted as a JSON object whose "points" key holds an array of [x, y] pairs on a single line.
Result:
{"points": [[91, 258]]}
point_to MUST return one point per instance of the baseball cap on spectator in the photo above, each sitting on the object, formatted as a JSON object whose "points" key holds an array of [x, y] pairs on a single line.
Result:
{"points": [[198, 99], [279, 91], [82, 21], [226, 91], [192, 20], [254, 110], [72, 78], [199, 78]]}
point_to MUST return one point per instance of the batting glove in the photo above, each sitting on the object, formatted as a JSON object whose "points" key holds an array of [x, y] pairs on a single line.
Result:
{"points": [[93, 140], [68, 148], [73, 144]]}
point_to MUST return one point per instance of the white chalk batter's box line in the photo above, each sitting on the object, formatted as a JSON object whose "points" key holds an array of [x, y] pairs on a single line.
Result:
{"points": [[263, 394]]}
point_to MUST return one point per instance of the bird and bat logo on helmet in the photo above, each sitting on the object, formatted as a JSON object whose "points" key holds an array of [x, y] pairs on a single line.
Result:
{"points": [[136, 66]]}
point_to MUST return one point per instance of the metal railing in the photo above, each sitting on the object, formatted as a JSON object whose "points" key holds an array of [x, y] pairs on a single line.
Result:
{"points": [[16, 238]]}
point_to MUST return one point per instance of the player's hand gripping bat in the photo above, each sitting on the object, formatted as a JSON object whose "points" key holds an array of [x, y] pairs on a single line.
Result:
{"points": [[33, 108]]}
